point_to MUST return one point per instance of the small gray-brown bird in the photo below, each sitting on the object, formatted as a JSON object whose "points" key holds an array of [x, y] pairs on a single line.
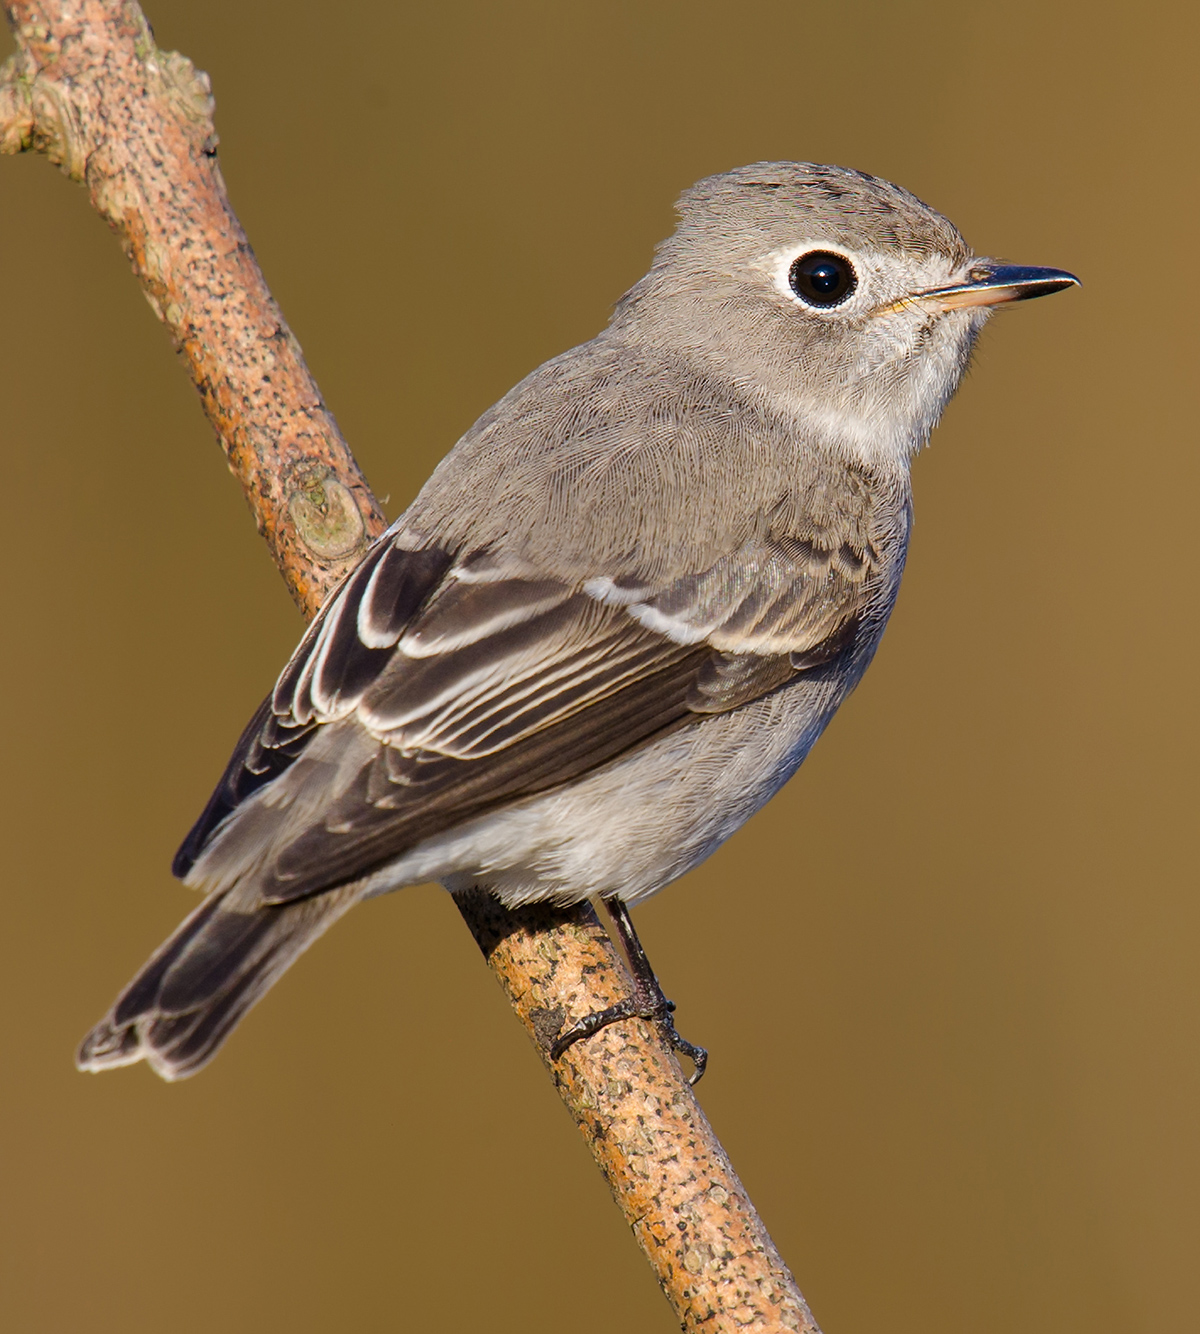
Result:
{"points": [[618, 615]]}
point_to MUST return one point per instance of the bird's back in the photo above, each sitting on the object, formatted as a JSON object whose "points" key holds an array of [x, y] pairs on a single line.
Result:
{"points": [[623, 458]]}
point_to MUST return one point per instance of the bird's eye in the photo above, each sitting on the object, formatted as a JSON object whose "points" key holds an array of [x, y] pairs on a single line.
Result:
{"points": [[822, 278]]}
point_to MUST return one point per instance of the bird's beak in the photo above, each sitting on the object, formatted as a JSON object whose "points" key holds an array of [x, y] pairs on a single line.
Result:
{"points": [[993, 285]]}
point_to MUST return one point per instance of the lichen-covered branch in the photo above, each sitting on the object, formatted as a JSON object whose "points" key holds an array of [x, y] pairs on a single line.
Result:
{"points": [[676, 1187], [89, 89]]}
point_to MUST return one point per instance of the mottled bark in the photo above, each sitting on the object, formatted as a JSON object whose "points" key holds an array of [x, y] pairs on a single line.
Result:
{"points": [[676, 1187], [134, 125], [89, 88]]}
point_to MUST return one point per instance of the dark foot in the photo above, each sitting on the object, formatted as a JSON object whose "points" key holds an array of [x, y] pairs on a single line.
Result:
{"points": [[647, 1002]]}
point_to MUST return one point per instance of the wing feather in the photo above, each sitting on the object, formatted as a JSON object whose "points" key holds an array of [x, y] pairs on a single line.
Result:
{"points": [[469, 686]]}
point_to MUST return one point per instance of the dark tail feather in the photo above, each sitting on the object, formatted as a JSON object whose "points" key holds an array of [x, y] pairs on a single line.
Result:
{"points": [[186, 1001]]}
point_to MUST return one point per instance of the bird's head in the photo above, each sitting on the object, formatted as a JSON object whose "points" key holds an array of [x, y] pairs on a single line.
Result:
{"points": [[836, 298]]}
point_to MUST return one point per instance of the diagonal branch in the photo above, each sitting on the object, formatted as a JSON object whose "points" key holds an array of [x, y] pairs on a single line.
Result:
{"points": [[89, 88]]}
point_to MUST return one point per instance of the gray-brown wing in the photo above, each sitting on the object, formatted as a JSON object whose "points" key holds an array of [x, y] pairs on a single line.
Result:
{"points": [[431, 690]]}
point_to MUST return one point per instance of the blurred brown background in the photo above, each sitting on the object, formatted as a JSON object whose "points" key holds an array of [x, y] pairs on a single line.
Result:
{"points": [[948, 978]]}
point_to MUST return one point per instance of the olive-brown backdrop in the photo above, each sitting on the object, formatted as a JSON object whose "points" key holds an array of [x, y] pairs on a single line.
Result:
{"points": [[948, 977]]}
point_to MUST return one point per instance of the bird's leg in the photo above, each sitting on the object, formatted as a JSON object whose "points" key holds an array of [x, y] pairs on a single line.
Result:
{"points": [[647, 1001]]}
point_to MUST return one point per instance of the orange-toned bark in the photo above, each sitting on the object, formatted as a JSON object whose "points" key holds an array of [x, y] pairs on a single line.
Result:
{"points": [[134, 124], [672, 1179], [89, 88]]}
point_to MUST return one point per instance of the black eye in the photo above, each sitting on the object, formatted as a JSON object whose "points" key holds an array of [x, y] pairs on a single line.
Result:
{"points": [[822, 279]]}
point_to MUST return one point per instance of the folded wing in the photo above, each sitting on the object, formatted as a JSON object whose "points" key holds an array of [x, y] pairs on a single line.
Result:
{"points": [[433, 688]]}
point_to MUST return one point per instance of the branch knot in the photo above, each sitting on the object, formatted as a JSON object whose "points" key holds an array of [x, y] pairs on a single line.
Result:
{"points": [[186, 90], [48, 87]]}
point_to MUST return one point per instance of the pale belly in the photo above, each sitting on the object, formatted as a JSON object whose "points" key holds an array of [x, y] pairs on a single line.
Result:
{"points": [[635, 825]]}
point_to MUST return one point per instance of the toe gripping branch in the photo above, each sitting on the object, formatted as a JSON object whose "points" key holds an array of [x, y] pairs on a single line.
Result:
{"points": [[647, 1001]]}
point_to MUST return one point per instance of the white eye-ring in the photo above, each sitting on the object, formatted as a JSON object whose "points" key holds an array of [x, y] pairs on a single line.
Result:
{"points": [[822, 279]]}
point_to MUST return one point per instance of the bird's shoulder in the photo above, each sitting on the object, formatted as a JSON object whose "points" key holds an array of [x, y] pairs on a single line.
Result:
{"points": [[622, 452]]}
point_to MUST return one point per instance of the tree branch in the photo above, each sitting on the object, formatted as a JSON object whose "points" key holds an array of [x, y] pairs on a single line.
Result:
{"points": [[89, 88]]}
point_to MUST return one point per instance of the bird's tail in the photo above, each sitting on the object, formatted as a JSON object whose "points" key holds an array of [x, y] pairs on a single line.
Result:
{"points": [[188, 998]]}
